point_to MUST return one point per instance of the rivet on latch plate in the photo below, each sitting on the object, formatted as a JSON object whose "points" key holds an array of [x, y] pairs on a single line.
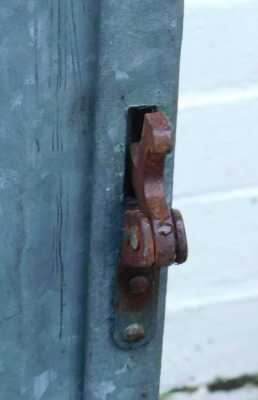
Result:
{"points": [[134, 333], [154, 234]]}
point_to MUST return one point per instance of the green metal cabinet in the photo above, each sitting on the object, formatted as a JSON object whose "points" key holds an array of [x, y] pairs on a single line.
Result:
{"points": [[69, 71]]}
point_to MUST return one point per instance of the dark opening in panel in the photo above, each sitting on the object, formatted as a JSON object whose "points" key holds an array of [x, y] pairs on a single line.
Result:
{"points": [[135, 119]]}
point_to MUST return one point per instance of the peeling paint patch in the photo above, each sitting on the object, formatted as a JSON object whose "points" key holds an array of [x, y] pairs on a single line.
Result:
{"points": [[122, 370], [119, 148], [17, 101], [112, 134], [7, 177], [30, 81], [121, 75], [3, 182], [42, 382], [104, 389], [125, 368]]}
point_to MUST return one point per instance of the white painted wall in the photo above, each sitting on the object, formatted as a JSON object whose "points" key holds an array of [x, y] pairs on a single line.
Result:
{"points": [[212, 309]]}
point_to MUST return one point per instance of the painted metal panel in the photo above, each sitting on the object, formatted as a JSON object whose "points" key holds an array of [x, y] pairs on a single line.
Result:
{"points": [[69, 71]]}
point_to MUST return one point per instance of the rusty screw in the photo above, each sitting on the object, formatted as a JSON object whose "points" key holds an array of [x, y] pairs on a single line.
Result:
{"points": [[134, 333], [181, 239], [139, 285]]}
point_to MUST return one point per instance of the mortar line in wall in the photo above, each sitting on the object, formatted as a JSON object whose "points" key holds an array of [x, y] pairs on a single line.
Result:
{"points": [[215, 3], [216, 97], [218, 197], [237, 297]]}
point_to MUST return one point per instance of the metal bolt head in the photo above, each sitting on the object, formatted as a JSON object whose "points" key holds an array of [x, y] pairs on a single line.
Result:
{"points": [[134, 333], [139, 285]]}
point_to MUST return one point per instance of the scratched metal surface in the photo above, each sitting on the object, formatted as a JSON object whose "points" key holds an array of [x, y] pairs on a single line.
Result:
{"points": [[68, 71]]}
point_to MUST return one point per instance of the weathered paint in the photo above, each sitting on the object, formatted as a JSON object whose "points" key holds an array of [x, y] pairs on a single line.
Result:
{"points": [[69, 71]]}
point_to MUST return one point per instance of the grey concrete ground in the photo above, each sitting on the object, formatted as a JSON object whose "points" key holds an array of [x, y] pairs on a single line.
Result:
{"points": [[212, 324]]}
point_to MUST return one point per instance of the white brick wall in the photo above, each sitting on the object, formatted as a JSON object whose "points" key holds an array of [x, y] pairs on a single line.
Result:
{"points": [[212, 308]]}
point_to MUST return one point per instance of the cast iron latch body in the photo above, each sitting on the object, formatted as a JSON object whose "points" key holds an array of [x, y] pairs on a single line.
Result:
{"points": [[154, 235]]}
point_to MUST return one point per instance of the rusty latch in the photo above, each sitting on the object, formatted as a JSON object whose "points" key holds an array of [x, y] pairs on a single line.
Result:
{"points": [[154, 235]]}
